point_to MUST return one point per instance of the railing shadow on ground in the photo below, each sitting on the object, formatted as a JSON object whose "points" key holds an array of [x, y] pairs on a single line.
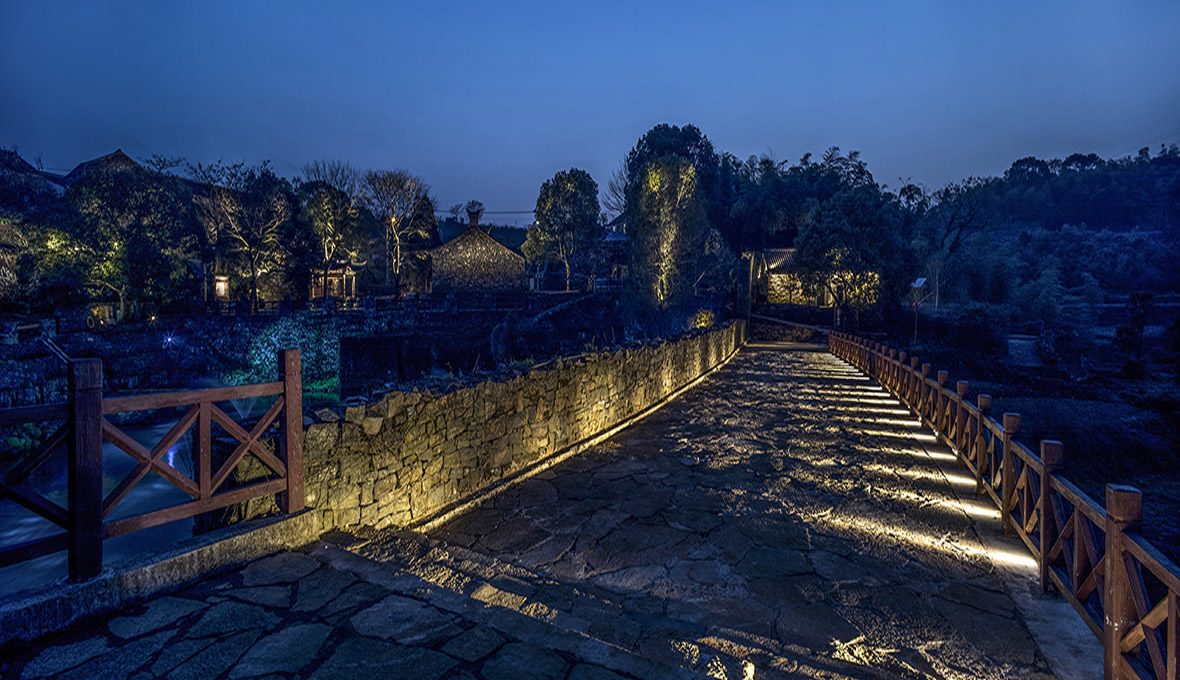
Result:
{"points": [[1125, 589]]}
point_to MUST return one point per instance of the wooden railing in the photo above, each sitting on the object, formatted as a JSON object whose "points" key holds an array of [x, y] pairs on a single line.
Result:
{"points": [[1125, 590], [85, 426]]}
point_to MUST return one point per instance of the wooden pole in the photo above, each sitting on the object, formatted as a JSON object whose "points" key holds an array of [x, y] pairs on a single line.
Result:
{"points": [[1124, 510], [984, 403], [1008, 470], [291, 430], [939, 405], [202, 447], [84, 477], [1173, 636], [924, 394], [899, 382], [1052, 456], [913, 382], [960, 439]]}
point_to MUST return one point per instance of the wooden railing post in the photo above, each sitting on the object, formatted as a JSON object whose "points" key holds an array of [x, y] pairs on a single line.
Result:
{"points": [[984, 403], [893, 370], [84, 477], [1052, 456], [913, 383], [1124, 510], [899, 388], [939, 405], [291, 430], [203, 449], [1008, 470], [924, 394], [900, 381], [959, 440]]}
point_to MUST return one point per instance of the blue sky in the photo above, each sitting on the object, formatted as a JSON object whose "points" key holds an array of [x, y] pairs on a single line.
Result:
{"points": [[487, 100]]}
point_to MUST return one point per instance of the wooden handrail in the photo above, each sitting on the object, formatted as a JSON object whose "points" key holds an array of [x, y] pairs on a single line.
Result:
{"points": [[1106, 580], [86, 427], [34, 414], [151, 402]]}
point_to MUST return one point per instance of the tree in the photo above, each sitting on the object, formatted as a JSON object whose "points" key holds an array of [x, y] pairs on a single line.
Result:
{"points": [[331, 191], [1129, 335], [393, 196], [13, 244], [689, 144], [567, 220], [952, 214], [615, 200], [854, 249], [134, 232], [474, 211], [245, 211], [668, 244], [415, 272]]}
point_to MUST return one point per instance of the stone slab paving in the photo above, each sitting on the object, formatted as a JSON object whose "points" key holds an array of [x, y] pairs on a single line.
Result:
{"points": [[779, 521], [785, 518], [323, 614]]}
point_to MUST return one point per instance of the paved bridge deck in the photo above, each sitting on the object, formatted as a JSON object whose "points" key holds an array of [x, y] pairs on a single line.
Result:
{"points": [[785, 518]]}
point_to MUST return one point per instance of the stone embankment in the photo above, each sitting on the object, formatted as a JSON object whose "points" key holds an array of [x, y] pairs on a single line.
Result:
{"points": [[409, 455]]}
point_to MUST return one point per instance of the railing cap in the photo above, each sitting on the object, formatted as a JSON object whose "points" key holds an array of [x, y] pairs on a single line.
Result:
{"points": [[1011, 422], [1124, 504], [1052, 452], [85, 374]]}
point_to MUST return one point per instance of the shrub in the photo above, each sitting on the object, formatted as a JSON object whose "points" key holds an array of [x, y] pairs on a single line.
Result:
{"points": [[704, 318]]}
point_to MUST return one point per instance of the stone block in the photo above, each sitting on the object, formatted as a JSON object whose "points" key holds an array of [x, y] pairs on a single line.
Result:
{"points": [[349, 517], [320, 438], [372, 425], [370, 514], [326, 415], [344, 497]]}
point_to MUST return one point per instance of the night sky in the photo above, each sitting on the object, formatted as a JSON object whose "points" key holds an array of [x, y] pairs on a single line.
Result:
{"points": [[488, 100]]}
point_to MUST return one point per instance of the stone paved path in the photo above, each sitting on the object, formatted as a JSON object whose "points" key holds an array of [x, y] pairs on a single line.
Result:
{"points": [[783, 519], [785, 513]]}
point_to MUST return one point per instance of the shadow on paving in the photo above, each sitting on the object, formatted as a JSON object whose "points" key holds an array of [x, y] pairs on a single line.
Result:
{"points": [[780, 520]]}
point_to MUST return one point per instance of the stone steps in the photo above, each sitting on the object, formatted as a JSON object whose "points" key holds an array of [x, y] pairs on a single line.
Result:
{"points": [[579, 619], [453, 592]]}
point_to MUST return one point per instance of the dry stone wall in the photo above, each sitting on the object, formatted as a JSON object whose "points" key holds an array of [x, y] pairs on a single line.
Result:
{"points": [[409, 455]]}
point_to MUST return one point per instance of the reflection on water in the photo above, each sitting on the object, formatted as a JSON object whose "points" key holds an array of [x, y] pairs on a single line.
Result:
{"points": [[18, 525]]}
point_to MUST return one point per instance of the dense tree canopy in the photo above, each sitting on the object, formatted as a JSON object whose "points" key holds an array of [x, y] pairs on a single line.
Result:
{"points": [[247, 214], [715, 174], [673, 248], [568, 226], [1047, 243], [330, 192], [138, 238]]}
